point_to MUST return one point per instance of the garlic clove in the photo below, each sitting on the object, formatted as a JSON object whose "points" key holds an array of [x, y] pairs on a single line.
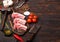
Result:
{"points": [[10, 3], [5, 3]]}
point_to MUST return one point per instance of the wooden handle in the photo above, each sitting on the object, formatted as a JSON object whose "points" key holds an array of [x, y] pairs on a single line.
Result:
{"points": [[3, 22]]}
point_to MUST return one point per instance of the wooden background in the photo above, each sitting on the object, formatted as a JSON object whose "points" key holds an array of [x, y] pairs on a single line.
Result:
{"points": [[49, 12]]}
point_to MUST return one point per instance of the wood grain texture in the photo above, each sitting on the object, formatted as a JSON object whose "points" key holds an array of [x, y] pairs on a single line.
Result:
{"points": [[49, 13]]}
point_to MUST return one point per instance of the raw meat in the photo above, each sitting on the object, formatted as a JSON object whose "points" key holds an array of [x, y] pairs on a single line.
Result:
{"points": [[18, 15], [20, 26], [18, 20]]}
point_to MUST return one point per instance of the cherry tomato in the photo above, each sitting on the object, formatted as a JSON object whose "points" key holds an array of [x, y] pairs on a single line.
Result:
{"points": [[30, 17], [29, 20], [31, 14], [35, 17], [34, 20]]}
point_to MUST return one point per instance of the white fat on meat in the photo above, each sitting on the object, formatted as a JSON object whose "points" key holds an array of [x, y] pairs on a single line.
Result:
{"points": [[18, 20], [18, 15], [20, 26]]}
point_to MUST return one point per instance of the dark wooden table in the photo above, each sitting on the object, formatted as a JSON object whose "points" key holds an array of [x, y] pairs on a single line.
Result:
{"points": [[49, 12]]}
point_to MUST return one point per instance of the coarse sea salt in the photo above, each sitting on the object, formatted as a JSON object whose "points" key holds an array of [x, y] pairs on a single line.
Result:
{"points": [[26, 13]]}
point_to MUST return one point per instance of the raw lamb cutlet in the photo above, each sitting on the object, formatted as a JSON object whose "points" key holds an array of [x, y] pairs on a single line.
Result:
{"points": [[18, 20], [18, 15], [20, 26]]}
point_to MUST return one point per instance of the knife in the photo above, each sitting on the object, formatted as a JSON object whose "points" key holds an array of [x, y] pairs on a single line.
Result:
{"points": [[33, 33]]}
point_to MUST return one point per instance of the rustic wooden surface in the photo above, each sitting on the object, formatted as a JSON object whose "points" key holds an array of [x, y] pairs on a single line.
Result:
{"points": [[49, 12]]}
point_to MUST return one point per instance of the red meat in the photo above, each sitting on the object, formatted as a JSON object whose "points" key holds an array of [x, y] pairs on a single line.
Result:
{"points": [[18, 20], [20, 26], [18, 15]]}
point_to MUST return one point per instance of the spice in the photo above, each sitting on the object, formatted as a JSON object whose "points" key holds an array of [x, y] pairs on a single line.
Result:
{"points": [[18, 37], [26, 13]]}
